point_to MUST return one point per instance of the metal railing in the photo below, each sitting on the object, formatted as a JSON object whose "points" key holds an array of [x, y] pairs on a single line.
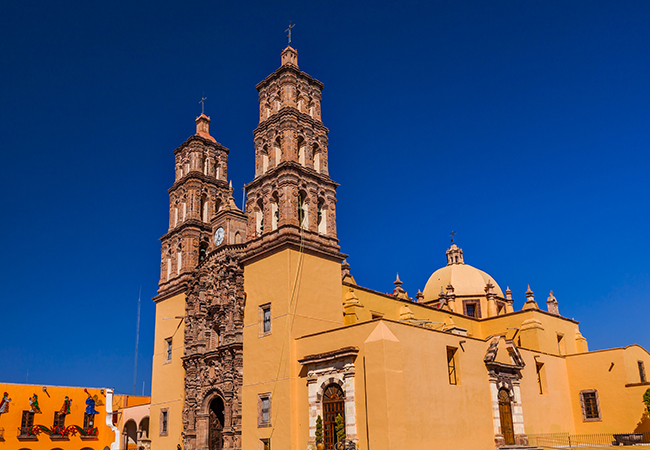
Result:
{"points": [[568, 440]]}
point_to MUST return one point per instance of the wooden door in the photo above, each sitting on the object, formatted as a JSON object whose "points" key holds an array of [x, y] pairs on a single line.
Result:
{"points": [[333, 405], [505, 412], [215, 432]]}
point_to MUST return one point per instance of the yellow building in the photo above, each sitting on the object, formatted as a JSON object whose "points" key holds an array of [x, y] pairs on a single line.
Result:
{"points": [[38, 417], [264, 338]]}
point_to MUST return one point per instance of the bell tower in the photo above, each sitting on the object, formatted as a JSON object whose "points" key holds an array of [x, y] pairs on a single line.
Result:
{"points": [[199, 191], [292, 198]]}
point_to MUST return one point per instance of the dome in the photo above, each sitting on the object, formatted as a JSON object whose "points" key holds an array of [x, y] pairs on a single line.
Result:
{"points": [[466, 280]]}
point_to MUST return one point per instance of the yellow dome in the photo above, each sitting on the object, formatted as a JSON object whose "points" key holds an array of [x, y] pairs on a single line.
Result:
{"points": [[465, 279]]}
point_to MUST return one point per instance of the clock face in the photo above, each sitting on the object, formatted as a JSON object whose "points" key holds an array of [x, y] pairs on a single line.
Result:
{"points": [[219, 235]]}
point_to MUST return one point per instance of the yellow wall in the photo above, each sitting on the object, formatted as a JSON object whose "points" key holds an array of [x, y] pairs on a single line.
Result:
{"points": [[621, 407], [536, 406], [410, 401], [20, 393], [168, 378], [314, 284]]}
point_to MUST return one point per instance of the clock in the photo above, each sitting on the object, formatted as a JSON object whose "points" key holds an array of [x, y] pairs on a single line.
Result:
{"points": [[219, 235]]}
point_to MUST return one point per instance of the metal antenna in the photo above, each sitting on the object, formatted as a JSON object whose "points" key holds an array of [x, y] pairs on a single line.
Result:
{"points": [[243, 198], [202, 102], [288, 31], [137, 339]]}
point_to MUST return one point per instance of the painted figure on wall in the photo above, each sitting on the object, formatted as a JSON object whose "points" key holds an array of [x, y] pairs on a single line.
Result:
{"points": [[4, 403], [65, 409], [90, 405], [33, 403]]}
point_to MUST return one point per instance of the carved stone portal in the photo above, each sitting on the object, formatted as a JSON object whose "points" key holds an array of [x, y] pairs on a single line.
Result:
{"points": [[213, 353]]}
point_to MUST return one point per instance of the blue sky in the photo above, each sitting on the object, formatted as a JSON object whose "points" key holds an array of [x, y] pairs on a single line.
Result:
{"points": [[523, 126]]}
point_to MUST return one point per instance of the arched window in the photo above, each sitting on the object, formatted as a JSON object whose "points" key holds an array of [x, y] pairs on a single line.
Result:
{"points": [[265, 159], [169, 264], [322, 217], [143, 429], [316, 153], [275, 212], [333, 405], [130, 434], [302, 147], [277, 151], [259, 218], [204, 208], [303, 210], [203, 251], [215, 431], [238, 239]]}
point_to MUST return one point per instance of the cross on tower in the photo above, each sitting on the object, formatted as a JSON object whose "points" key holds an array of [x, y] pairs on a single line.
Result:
{"points": [[288, 31], [452, 234], [202, 102]]}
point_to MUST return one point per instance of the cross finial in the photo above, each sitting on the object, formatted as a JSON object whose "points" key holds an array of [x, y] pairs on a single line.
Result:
{"points": [[202, 102], [288, 31], [452, 234]]}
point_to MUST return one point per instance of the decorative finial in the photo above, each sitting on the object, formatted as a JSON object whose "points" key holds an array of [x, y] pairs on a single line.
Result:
{"points": [[202, 102], [397, 281], [552, 304], [452, 234], [288, 31]]}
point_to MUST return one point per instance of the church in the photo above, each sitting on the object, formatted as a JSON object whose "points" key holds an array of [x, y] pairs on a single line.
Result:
{"points": [[265, 340]]}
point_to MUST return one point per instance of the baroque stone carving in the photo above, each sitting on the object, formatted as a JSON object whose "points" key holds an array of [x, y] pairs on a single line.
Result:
{"points": [[213, 357]]}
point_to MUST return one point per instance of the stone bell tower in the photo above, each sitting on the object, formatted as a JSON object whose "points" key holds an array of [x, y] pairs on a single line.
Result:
{"points": [[292, 198], [199, 191]]}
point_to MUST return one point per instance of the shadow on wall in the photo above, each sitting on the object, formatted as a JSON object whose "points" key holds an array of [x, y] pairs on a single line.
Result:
{"points": [[644, 424]]}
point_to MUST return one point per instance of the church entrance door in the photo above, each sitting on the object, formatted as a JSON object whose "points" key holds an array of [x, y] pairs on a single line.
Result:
{"points": [[333, 405], [216, 424], [505, 413]]}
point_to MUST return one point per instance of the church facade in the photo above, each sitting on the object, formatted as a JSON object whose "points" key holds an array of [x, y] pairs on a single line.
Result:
{"points": [[264, 338]]}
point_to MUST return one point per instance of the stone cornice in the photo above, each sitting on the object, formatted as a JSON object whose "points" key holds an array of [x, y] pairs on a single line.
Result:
{"points": [[329, 356], [288, 68], [204, 141], [291, 113], [188, 223], [288, 169], [196, 175], [171, 291], [288, 236]]}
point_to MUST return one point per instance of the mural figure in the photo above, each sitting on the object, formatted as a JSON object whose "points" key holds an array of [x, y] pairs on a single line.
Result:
{"points": [[91, 402], [33, 403], [65, 409], [4, 403]]}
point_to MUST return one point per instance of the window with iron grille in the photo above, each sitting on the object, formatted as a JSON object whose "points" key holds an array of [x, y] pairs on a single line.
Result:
{"points": [[590, 405], [451, 365], [333, 406], [89, 421], [59, 420], [26, 422]]}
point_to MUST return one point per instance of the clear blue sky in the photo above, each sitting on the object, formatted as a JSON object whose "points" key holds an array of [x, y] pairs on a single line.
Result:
{"points": [[524, 126]]}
